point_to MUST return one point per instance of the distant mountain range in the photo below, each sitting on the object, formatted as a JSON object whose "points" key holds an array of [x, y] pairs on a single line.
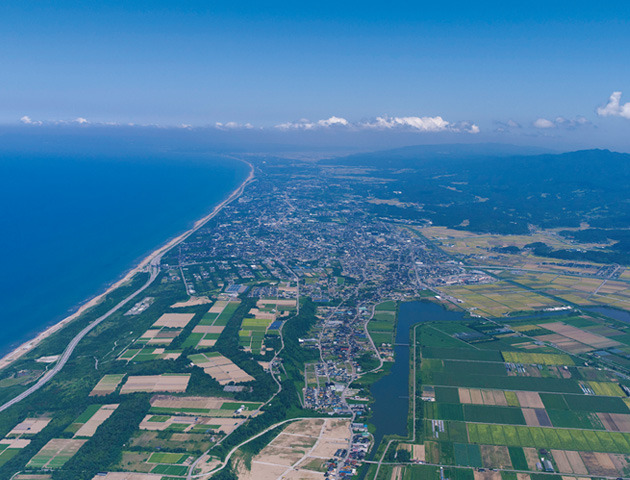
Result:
{"points": [[492, 188]]}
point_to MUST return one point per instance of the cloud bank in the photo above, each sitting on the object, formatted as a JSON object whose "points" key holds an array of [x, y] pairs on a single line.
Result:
{"points": [[413, 124], [383, 123], [232, 126], [560, 122], [614, 108], [305, 124]]}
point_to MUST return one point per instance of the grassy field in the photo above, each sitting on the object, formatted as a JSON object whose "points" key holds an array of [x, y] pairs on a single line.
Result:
{"points": [[558, 438], [537, 358]]}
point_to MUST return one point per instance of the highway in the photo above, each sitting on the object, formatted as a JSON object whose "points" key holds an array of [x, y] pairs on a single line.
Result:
{"points": [[154, 267]]}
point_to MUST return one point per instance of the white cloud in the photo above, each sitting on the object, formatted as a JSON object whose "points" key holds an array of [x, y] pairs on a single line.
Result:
{"points": [[424, 124], [420, 124], [305, 124], [80, 120], [333, 121], [26, 120], [544, 123], [233, 126], [563, 122], [614, 108]]}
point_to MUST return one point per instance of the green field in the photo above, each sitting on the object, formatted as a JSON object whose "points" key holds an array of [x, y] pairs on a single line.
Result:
{"points": [[537, 358], [558, 438], [82, 419], [252, 333], [382, 325], [467, 454], [7, 454], [178, 470], [171, 458]]}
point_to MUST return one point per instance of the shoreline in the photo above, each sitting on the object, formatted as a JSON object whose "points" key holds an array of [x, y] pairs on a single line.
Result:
{"points": [[152, 257]]}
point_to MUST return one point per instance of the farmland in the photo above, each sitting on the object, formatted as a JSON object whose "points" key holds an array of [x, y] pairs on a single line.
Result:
{"points": [[108, 384], [86, 424], [529, 404], [156, 383], [222, 369], [252, 333], [206, 333], [56, 453]]}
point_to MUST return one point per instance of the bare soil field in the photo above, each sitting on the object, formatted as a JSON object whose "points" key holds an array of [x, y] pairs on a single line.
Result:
{"points": [[478, 396], [174, 320], [168, 401], [222, 369], [531, 455], [30, 426], [565, 343], [89, 428], [128, 476], [192, 302], [579, 335], [27, 476], [569, 462], [417, 451], [599, 464], [292, 453], [615, 422], [218, 306], [301, 474], [529, 399], [279, 301], [156, 383], [17, 443], [223, 424]]}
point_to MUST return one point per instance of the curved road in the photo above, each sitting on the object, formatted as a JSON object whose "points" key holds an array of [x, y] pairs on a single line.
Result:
{"points": [[155, 269]]}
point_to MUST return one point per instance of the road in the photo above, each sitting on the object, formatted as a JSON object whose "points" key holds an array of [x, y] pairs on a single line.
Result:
{"points": [[67, 353]]}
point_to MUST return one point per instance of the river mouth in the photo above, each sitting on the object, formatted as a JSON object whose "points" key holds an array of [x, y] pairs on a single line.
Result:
{"points": [[390, 408]]}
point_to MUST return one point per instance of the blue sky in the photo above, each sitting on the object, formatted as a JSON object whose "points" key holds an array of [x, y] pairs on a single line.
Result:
{"points": [[532, 73]]}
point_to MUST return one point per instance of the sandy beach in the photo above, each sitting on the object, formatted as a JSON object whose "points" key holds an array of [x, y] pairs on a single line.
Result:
{"points": [[154, 257]]}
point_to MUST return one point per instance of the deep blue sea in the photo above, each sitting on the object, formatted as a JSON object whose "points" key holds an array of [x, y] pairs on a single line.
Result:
{"points": [[70, 226]]}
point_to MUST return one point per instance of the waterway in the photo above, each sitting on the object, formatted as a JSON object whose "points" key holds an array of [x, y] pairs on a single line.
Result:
{"points": [[620, 315], [391, 393]]}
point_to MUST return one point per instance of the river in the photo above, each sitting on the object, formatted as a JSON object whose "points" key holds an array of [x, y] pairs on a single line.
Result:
{"points": [[391, 393], [620, 315]]}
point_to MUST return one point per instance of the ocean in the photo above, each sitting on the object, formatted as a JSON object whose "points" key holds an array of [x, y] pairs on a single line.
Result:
{"points": [[71, 225]]}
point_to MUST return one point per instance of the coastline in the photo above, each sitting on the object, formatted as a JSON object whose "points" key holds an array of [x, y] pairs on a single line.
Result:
{"points": [[153, 257]]}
